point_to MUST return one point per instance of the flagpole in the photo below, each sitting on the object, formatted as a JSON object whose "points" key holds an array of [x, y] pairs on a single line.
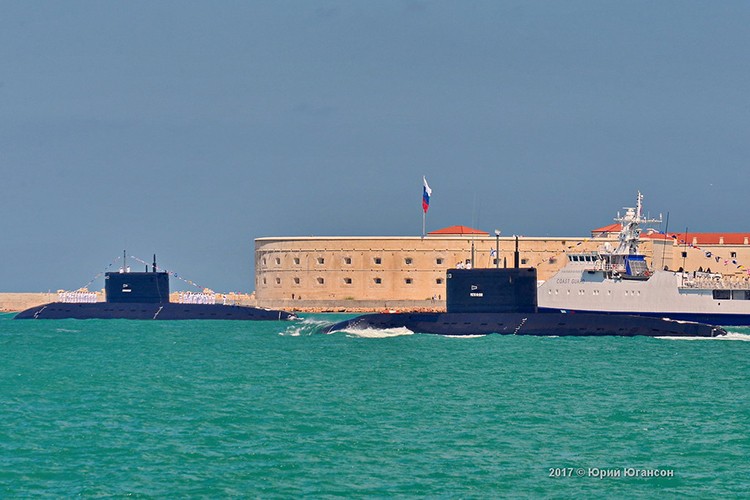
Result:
{"points": [[426, 192]]}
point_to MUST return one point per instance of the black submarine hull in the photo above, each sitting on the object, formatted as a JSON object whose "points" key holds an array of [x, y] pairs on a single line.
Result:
{"points": [[504, 301], [151, 311], [535, 324]]}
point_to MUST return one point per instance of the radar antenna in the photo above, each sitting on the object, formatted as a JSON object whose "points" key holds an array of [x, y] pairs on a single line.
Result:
{"points": [[631, 231]]}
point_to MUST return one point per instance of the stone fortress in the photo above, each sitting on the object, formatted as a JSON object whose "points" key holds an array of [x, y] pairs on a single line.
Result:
{"points": [[408, 273]]}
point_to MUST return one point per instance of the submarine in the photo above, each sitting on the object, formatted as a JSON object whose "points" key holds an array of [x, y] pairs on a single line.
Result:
{"points": [[145, 295], [504, 301]]}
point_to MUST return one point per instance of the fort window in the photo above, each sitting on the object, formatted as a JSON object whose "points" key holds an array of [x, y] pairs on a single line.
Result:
{"points": [[439, 281], [278, 281], [296, 260], [296, 281], [347, 281], [321, 281], [321, 260], [439, 261], [377, 281], [348, 261], [733, 255], [408, 261], [408, 281], [524, 261], [377, 260], [684, 254]]}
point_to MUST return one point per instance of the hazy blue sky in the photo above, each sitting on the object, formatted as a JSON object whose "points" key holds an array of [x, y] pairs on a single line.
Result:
{"points": [[191, 128]]}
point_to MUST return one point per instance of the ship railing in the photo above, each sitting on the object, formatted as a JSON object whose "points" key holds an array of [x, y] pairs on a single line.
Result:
{"points": [[196, 298], [77, 297], [716, 284], [614, 268]]}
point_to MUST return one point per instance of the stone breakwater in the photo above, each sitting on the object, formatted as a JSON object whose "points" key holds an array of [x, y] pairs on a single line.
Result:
{"points": [[14, 302], [354, 306]]}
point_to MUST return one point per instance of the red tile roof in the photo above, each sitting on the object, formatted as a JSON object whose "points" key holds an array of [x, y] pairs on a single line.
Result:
{"points": [[692, 238], [457, 230], [704, 238], [612, 228]]}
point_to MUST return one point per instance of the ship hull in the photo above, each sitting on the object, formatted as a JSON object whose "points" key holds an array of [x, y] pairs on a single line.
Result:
{"points": [[151, 311], [535, 324], [697, 317], [576, 290]]}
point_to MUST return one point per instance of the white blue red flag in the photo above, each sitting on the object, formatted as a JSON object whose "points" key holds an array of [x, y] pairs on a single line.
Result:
{"points": [[426, 193]]}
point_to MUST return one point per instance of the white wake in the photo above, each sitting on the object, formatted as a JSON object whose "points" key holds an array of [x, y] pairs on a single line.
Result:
{"points": [[377, 333], [744, 337]]}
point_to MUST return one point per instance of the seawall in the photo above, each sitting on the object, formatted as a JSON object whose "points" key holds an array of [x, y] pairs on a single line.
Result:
{"points": [[14, 302], [354, 306]]}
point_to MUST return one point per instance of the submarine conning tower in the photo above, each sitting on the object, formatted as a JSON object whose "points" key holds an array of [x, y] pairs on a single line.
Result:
{"points": [[137, 287], [491, 290]]}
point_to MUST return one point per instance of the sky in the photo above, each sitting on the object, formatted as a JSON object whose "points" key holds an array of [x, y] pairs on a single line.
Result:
{"points": [[190, 128]]}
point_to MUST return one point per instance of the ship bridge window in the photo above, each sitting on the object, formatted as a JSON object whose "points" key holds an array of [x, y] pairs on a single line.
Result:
{"points": [[721, 294], [740, 294]]}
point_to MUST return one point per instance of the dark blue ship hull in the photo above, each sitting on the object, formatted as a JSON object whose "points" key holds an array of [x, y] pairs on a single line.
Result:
{"points": [[538, 324], [712, 319], [163, 311]]}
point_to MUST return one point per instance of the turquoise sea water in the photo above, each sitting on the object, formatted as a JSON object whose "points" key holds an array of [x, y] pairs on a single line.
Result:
{"points": [[267, 409]]}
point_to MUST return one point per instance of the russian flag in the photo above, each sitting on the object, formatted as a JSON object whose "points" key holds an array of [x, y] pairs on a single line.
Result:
{"points": [[426, 193]]}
